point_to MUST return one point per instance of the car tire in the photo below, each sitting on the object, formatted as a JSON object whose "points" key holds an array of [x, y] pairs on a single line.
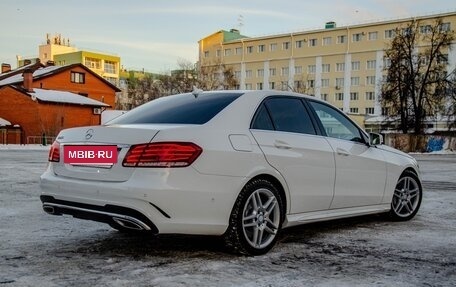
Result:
{"points": [[256, 219], [407, 197]]}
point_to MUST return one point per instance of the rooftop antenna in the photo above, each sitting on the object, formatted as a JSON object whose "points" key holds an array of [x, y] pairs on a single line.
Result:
{"points": [[240, 21]]}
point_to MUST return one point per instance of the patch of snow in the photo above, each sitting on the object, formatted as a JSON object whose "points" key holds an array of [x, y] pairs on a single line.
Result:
{"points": [[24, 147], [64, 97]]}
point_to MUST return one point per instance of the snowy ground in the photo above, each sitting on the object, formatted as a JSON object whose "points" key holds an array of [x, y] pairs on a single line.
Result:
{"points": [[37, 249]]}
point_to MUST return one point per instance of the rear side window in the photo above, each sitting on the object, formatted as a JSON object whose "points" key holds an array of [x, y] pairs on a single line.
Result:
{"points": [[178, 109], [262, 120], [284, 114]]}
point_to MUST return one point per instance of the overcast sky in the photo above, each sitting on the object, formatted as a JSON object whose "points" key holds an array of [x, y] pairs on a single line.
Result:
{"points": [[155, 34]]}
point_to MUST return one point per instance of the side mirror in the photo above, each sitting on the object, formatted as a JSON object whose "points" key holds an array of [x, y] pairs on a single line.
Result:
{"points": [[375, 139]]}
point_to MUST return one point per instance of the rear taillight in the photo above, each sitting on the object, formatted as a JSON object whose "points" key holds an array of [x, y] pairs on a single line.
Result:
{"points": [[162, 154], [54, 152]]}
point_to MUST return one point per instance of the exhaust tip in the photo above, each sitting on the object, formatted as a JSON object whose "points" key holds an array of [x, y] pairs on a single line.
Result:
{"points": [[128, 223], [49, 209]]}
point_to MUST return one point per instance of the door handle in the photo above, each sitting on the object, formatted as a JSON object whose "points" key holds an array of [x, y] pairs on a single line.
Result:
{"points": [[281, 145], [342, 151]]}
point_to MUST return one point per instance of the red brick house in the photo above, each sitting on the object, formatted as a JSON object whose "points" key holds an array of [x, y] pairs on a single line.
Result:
{"points": [[49, 99]]}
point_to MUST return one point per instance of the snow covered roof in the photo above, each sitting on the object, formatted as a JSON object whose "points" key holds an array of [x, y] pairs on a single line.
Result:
{"points": [[18, 78], [4, 122], [64, 97]]}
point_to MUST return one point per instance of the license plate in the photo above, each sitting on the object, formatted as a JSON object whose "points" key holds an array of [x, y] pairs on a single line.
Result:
{"points": [[90, 154]]}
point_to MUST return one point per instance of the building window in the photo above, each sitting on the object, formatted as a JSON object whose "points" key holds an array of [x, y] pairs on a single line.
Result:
{"points": [[261, 48], [271, 85], [78, 78], [341, 39], [249, 49], [112, 80], [311, 69], [259, 86], [284, 85], [369, 111], [390, 34], [340, 67], [272, 71], [327, 41], [386, 62], [238, 51], [92, 63], [206, 54], [354, 110], [357, 37], [339, 96], [273, 47], [285, 71], [248, 86], [326, 68], [354, 96], [110, 67], [218, 53], [260, 72], [370, 80], [354, 81], [227, 52], [299, 43], [339, 83], [370, 96], [385, 111], [324, 83], [298, 70], [311, 83], [248, 73], [370, 65], [285, 45], [324, 97], [445, 27], [355, 66], [298, 85], [373, 36], [426, 29], [312, 42], [237, 74]]}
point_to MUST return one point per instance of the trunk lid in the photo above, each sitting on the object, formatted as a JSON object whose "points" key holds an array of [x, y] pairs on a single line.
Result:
{"points": [[123, 136]]}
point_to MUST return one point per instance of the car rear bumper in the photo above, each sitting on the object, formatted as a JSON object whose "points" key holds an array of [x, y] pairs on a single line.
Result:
{"points": [[162, 200]]}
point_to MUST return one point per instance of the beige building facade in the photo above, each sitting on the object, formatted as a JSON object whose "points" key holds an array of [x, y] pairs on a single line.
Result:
{"points": [[342, 65]]}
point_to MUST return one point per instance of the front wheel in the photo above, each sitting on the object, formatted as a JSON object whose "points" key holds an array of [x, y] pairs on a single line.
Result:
{"points": [[256, 219], [407, 197]]}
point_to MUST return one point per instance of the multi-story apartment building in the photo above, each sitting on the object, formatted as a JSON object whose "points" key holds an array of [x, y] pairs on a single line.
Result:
{"points": [[59, 51], [343, 65]]}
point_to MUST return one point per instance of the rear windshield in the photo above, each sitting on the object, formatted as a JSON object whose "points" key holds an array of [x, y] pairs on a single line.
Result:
{"points": [[178, 109]]}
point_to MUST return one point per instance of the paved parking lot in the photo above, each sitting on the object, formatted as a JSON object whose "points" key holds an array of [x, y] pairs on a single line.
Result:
{"points": [[37, 249]]}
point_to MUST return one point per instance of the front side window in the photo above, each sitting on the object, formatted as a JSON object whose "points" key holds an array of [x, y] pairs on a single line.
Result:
{"points": [[335, 124], [285, 114]]}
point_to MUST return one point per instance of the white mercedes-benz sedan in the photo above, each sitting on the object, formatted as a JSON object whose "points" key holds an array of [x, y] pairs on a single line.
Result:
{"points": [[240, 164]]}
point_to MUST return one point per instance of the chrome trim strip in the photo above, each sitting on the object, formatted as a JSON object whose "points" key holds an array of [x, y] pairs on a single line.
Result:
{"points": [[126, 217]]}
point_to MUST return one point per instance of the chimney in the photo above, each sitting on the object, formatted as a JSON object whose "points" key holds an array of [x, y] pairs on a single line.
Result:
{"points": [[28, 80], [6, 68]]}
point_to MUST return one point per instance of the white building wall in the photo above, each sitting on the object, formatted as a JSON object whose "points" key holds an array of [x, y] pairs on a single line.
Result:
{"points": [[318, 71], [347, 83]]}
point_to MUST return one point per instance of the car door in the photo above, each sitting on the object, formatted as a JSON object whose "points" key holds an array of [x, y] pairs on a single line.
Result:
{"points": [[360, 169], [285, 133]]}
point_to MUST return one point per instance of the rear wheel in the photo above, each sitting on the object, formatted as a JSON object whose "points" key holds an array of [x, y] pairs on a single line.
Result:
{"points": [[256, 219], [407, 197]]}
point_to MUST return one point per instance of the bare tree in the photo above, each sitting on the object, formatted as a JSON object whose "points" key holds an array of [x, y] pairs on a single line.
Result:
{"points": [[417, 73], [217, 76]]}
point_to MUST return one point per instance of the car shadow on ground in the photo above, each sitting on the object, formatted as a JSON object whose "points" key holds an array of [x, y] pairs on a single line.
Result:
{"points": [[109, 242]]}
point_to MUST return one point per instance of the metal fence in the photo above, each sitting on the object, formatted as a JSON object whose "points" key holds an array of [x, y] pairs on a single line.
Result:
{"points": [[43, 140]]}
